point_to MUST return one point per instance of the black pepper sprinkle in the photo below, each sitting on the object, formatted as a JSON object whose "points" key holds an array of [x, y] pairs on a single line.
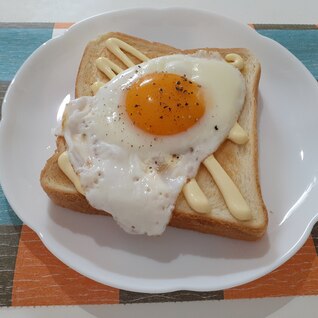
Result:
{"points": [[178, 83], [186, 104], [161, 90], [216, 127], [137, 105], [161, 117], [197, 104]]}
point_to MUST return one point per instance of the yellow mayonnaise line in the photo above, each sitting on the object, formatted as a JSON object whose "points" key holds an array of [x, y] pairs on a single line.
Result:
{"points": [[195, 197], [235, 59], [109, 68], [65, 165], [238, 135], [232, 196], [96, 86], [116, 46]]}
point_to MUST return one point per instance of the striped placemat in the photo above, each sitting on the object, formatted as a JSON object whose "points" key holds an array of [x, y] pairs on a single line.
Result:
{"points": [[31, 276]]}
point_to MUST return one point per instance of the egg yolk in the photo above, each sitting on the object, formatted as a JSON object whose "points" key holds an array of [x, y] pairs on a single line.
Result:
{"points": [[164, 103]]}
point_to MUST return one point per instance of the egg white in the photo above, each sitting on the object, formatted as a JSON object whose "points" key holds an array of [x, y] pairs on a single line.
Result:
{"points": [[137, 176]]}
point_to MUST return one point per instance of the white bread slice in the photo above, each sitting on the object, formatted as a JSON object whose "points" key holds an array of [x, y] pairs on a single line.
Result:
{"points": [[240, 162]]}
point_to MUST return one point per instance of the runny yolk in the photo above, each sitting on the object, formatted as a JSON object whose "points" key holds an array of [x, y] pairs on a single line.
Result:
{"points": [[164, 103]]}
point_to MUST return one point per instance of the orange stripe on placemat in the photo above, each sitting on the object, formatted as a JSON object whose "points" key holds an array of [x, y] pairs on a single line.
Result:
{"points": [[298, 276], [41, 279], [62, 25]]}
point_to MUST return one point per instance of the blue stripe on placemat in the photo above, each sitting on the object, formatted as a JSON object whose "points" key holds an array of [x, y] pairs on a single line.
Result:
{"points": [[302, 43], [7, 215], [16, 45]]}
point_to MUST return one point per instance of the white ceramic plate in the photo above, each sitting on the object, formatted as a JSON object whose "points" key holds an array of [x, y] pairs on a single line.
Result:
{"points": [[94, 245]]}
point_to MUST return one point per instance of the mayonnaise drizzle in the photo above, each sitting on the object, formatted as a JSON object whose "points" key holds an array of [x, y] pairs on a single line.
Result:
{"points": [[238, 135], [235, 59], [195, 197], [232, 196], [96, 86], [65, 165], [116, 46], [109, 68]]}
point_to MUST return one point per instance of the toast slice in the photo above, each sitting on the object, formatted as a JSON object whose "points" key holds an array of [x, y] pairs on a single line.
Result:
{"points": [[239, 161]]}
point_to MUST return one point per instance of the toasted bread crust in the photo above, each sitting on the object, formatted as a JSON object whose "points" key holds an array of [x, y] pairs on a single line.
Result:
{"points": [[75, 201], [240, 162]]}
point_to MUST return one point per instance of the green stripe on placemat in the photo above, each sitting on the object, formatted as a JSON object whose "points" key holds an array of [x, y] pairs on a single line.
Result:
{"points": [[314, 234], [9, 243], [7, 215], [3, 88], [126, 297]]}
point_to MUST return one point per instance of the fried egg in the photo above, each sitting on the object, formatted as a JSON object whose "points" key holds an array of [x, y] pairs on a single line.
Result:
{"points": [[144, 134]]}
